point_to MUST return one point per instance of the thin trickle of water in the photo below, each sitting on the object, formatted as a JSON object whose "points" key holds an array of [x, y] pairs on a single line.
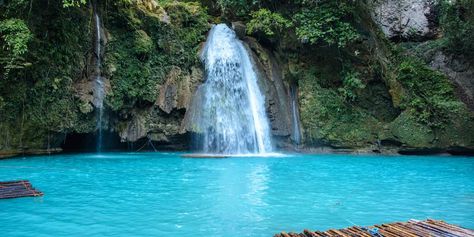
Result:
{"points": [[99, 83], [230, 117], [295, 117]]}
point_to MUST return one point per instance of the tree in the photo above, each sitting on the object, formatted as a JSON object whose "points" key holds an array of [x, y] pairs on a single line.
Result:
{"points": [[328, 22], [73, 3], [267, 22], [15, 37]]}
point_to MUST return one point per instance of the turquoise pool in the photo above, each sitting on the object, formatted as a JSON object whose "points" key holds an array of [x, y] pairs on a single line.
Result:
{"points": [[161, 194]]}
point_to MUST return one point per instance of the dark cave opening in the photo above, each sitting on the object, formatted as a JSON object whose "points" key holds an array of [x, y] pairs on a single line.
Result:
{"points": [[87, 142]]}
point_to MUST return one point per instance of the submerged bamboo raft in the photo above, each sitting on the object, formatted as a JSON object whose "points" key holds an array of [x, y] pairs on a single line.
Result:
{"points": [[412, 228], [16, 189]]}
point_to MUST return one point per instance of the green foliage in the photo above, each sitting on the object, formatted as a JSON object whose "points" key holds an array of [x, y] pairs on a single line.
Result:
{"points": [[429, 93], [40, 99], [267, 22], [236, 7], [16, 35], [328, 22], [327, 117], [14, 39], [457, 23], [52, 104], [13, 9], [140, 55], [73, 3], [143, 44], [351, 83], [79, 3]]}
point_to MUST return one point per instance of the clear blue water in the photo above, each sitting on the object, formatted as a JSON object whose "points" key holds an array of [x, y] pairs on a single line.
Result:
{"points": [[161, 194]]}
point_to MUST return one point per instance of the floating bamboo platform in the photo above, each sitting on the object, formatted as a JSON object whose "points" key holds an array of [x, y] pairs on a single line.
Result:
{"points": [[412, 228], [17, 189]]}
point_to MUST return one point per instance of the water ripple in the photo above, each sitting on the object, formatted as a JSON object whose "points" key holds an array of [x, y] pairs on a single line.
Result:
{"points": [[161, 194]]}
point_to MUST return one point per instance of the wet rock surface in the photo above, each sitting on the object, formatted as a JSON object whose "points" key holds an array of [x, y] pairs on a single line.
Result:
{"points": [[277, 98]]}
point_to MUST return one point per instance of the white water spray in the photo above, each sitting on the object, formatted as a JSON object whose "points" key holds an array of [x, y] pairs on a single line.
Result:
{"points": [[231, 117]]}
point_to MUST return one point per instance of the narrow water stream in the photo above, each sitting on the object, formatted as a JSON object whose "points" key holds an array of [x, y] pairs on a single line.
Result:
{"points": [[98, 83]]}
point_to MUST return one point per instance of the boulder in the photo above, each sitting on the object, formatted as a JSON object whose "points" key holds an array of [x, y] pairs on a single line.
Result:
{"points": [[406, 19]]}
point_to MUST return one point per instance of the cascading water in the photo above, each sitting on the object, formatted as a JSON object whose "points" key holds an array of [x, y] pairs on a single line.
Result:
{"points": [[231, 117], [99, 83], [295, 117]]}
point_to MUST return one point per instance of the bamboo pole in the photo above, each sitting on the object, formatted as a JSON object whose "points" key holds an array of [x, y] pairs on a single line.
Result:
{"points": [[412, 228]]}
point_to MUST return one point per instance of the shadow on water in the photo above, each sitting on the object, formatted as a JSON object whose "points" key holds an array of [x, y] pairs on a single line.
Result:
{"points": [[86, 142], [111, 142]]}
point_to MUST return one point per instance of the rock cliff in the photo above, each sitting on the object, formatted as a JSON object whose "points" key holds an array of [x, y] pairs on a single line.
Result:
{"points": [[385, 76]]}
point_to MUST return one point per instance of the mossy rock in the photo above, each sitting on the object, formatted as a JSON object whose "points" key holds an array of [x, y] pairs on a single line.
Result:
{"points": [[459, 131], [408, 131], [326, 118]]}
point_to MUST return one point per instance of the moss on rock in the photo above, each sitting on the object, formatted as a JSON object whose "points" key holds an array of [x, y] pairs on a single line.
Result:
{"points": [[327, 119], [409, 132]]}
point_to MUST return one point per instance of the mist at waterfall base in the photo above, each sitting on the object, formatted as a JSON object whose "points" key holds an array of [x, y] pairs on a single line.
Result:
{"points": [[229, 113]]}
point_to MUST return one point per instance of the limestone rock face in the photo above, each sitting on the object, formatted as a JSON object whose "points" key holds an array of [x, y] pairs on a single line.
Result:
{"points": [[406, 19], [271, 82], [461, 74], [239, 28], [177, 91], [153, 124], [135, 128], [162, 121], [84, 90]]}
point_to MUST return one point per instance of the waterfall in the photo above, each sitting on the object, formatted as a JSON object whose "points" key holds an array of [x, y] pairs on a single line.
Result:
{"points": [[295, 114], [98, 82], [230, 117]]}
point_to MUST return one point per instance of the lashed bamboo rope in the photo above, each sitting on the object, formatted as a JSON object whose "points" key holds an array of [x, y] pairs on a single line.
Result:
{"points": [[412, 228], [19, 188]]}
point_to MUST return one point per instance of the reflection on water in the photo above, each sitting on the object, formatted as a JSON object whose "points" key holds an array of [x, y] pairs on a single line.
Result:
{"points": [[257, 180]]}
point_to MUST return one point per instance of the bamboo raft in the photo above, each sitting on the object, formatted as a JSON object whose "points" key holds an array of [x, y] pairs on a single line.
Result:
{"points": [[17, 189], [412, 228]]}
